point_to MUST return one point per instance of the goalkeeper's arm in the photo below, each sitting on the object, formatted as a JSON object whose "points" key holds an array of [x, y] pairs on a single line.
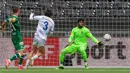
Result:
{"points": [[100, 44], [89, 34]]}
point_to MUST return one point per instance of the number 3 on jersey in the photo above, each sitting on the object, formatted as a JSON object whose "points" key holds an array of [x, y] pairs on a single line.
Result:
{"points": [[45, 27]]}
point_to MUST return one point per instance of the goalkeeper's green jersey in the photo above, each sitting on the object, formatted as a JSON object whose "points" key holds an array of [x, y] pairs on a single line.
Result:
{"points": [[80, 36], [14, 25]]}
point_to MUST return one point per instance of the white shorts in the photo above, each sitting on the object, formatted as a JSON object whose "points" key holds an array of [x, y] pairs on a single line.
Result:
{"points": [[38, 41]]}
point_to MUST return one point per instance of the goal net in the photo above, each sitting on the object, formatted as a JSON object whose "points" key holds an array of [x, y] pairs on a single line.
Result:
{"points": [[101, 17]]}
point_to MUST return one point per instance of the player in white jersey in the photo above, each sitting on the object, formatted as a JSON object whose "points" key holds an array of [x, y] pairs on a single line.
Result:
{"points": [[45, 26]]}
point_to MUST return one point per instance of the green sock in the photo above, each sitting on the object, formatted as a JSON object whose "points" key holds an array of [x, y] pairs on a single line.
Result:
{"points": [[62, 58], [21, 59], [15, 56], [84, 56]]}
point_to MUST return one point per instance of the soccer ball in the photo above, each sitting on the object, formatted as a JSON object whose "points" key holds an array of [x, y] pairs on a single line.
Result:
{"points": [[107, 37]]}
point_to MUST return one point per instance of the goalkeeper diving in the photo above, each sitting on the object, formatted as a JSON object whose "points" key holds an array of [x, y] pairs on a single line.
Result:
{"points": [[78, 43]]}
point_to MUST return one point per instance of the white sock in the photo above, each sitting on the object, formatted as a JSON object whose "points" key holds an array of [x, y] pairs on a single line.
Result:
{"points": [[85, 63], [27, 62], [34, 57], [61, 65]]}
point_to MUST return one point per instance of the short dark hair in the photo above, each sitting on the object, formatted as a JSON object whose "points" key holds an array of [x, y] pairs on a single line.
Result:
{"points": [[48, 13], [80, 19], [15, 9]]}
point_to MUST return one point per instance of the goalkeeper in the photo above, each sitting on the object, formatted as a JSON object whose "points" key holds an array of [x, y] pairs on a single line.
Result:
{"points": [[77, 43]]}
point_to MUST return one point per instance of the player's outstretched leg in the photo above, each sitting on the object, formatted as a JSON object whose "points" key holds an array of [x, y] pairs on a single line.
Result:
{"points": [[8, 61], [30, 56], [62, 55], [40, 52], [67, 50], [14, 57], [28, 60], [20, 66]]}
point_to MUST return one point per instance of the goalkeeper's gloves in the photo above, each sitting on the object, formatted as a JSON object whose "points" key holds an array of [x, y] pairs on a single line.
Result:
{"points": [[100, 45]]}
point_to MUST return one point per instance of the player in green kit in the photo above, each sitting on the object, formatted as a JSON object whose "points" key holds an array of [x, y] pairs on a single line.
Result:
{"points": [[78, 43], [16, 38]]}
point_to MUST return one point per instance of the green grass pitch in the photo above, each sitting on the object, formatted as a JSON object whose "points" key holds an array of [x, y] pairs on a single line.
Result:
{"points": [[67, 70]]}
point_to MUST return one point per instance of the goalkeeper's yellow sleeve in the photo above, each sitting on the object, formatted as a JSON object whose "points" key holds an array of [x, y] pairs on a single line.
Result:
{"points": [[71, 36], [89, 34]]}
